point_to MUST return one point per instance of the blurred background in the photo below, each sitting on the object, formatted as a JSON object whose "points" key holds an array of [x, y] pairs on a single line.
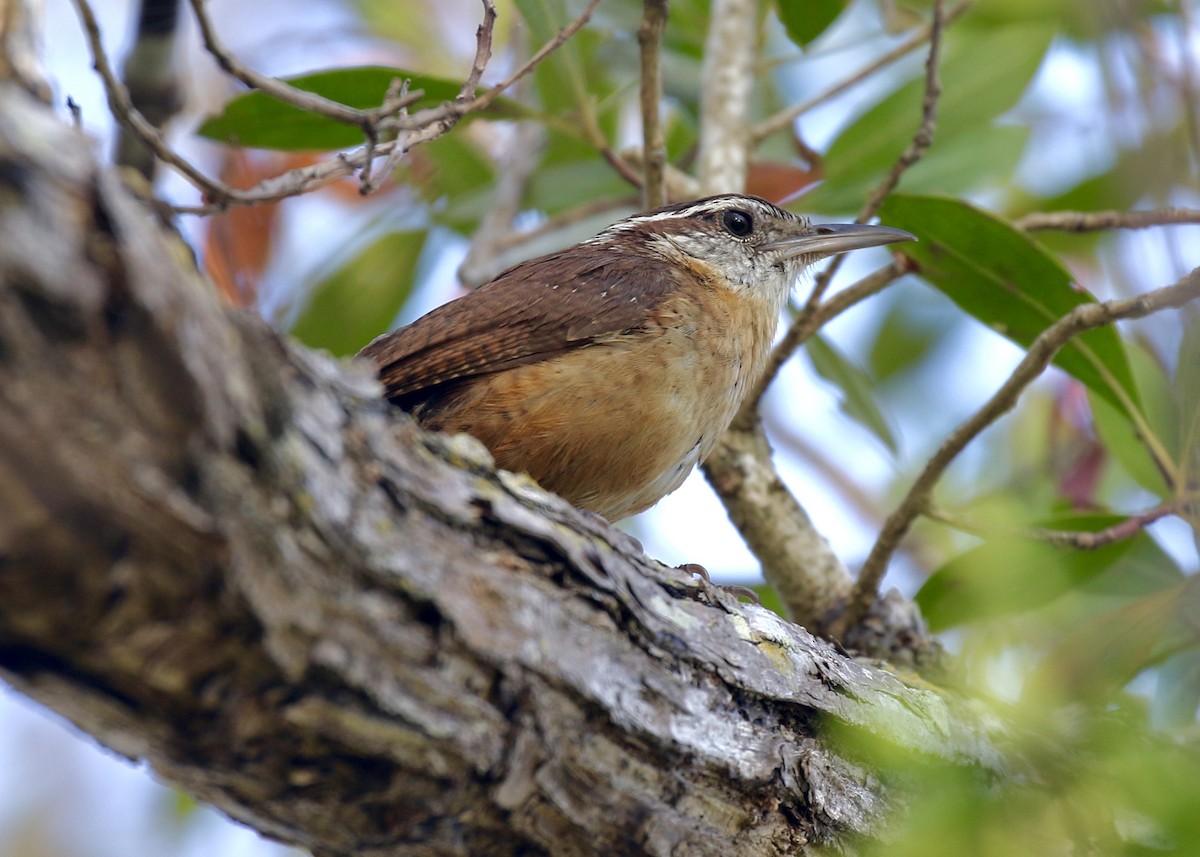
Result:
{"points": [[1048, 105]]}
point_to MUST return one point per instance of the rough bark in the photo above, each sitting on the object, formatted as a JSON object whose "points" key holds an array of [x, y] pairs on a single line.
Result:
{"points": [[221, 553]]}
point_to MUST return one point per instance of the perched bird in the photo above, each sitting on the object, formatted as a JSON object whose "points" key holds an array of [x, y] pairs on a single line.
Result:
{"points": [[608, 370]]}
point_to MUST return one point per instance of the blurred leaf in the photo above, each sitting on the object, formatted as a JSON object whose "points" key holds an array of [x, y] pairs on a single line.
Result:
{"points": [[260, 121], [977, 157], [1011, 573], [904, 338], [983, 75], [777, 182], [356, 304], [1107, 651], [857, 394], [1004, 279], [560, 186], [804, 20], [1177, 691], [456, 177]]}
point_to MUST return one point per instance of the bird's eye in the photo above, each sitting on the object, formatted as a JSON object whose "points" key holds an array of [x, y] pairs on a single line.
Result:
{"points": [[737, 223]]}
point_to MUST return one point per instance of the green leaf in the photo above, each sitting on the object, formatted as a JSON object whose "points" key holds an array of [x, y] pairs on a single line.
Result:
{"points": [[258, 120], [804, 20], [357, 303], [983, 76], [857, 390], [1004, 279], [1013, 573]]}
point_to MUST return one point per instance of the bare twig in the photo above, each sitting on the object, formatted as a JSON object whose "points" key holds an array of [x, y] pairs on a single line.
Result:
{"points": [[784, 118], [654, 152], [1088, 221], [129, 117], [1037, 358], [534, 61], [422, 126], [276, 88], [924, 136], [1078, 539]]}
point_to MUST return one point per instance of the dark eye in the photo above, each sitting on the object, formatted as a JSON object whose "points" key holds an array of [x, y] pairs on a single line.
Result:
{"points": [[737, 222]]}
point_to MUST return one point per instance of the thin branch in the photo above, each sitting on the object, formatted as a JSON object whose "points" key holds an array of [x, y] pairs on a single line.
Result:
{"points": [[533, 62], [1037, 358], [423, 125], [922, 140], [784, 118], [1089, 221], [129, 117], [654, 150], [276, 88], [1078, 539], [619, 164]]}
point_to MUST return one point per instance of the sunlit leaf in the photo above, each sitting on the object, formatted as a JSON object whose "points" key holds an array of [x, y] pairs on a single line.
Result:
{"points": [[857, 396], [804, 20], [260, 121], [357, 303], [1004, 279], [1012, 573]]}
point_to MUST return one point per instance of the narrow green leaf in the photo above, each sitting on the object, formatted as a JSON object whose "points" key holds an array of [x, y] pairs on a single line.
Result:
{"points": [[259, 121], [1004, 279], [357, 303], [804, 20], [857, 394], [1011, 573]]}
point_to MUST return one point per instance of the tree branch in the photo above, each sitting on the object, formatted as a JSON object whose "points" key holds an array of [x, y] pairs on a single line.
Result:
{"points": [[654, 152], [1037, 358]]}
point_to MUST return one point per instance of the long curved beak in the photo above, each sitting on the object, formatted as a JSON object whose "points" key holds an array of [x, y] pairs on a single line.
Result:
{"points": [[828, 239]]}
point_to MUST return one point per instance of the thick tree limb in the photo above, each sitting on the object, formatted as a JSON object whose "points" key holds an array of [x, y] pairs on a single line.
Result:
{"points": [[223, 554]]}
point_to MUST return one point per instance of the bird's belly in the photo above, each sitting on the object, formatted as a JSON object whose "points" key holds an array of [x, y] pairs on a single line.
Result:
{"points": [[611, 427]]}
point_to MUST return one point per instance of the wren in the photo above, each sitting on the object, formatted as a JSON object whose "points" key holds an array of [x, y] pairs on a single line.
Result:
{"points": [[608, 370]]}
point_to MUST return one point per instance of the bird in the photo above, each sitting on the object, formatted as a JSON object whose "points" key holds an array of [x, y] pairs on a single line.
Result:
{"points": [[608, 370]]}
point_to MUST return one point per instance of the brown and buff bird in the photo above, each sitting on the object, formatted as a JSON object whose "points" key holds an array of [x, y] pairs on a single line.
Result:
{"points": [[608, 370]]}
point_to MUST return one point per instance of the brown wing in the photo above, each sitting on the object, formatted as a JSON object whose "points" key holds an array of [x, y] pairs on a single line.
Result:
{"points": [[535, 310]]}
